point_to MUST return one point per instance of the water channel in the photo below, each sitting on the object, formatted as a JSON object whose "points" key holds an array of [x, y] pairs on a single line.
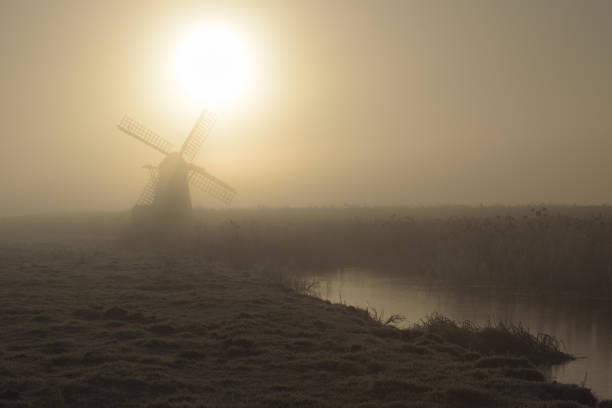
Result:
{"points": [[584, 326]]}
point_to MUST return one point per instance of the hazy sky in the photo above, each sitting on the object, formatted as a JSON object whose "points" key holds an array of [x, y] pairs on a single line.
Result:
{"points": [[360, 102]]}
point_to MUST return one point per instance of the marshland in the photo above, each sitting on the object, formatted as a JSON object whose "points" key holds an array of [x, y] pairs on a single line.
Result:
{"points": [[305, 203], [531, 248], [234, 314]]}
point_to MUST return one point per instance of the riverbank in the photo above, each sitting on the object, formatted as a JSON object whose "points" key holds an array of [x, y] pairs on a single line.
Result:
{"points": [[85, 326]]}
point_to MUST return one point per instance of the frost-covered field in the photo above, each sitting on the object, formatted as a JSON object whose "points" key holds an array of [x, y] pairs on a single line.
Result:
{"points": [[84, 323]]}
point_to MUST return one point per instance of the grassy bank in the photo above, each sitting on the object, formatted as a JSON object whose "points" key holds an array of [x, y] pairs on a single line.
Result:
{"points": [[99, 328], [498, 338]]}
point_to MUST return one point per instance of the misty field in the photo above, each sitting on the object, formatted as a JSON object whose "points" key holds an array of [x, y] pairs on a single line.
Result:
{"points": [[87, 325], [533, 248], [536, 248], [97, 312]]}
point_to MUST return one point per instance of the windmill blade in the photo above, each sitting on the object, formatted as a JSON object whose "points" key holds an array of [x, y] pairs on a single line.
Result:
{"points": [[148, 194], [200, 178], [140, 132], [198, 134]]}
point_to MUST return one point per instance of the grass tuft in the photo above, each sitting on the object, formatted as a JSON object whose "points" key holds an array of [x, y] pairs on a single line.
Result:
{"points": [[500, 338]]}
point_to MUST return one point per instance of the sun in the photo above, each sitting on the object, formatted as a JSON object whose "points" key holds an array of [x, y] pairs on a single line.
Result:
{"points": [[213, 65]]}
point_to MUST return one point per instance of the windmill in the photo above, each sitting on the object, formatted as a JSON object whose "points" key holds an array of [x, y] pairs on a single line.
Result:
{"points": [[166, 196]]}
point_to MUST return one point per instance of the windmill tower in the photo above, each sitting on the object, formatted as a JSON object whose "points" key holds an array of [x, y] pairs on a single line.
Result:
{"points": [[166, 196]]}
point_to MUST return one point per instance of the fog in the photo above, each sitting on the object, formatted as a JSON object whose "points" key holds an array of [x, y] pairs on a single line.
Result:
{"points": [[358, 102]]}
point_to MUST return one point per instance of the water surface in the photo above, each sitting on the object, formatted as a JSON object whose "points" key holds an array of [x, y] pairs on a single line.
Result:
{"points": [[584, 326]]}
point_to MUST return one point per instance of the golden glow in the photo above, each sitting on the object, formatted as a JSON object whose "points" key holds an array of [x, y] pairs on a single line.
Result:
{"points": [[213, 65]]}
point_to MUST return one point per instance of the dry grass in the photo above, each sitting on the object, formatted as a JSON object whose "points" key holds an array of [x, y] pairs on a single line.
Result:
{"points": [[497, 338], [558, 249]]}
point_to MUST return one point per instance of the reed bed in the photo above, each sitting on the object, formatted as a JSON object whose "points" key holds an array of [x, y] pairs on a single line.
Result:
{"points": [[534, 248]]}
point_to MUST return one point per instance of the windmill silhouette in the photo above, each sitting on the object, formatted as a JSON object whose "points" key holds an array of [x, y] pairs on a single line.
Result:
{"points": [[166, 196]]}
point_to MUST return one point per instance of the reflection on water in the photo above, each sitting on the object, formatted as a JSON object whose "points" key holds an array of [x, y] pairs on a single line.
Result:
{"points": [[584, 326]]}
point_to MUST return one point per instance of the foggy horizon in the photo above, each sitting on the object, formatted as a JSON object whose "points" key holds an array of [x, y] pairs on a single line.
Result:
{"points": [[351, 102]]}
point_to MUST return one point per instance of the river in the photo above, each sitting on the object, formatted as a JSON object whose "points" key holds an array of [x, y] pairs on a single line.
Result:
{"points": [[584, 326]]}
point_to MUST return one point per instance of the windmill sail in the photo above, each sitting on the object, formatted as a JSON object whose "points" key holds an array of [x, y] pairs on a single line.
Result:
{"points": [[140, 132], [148, 194], [202, 179], [166, 195], [198, 134]]}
